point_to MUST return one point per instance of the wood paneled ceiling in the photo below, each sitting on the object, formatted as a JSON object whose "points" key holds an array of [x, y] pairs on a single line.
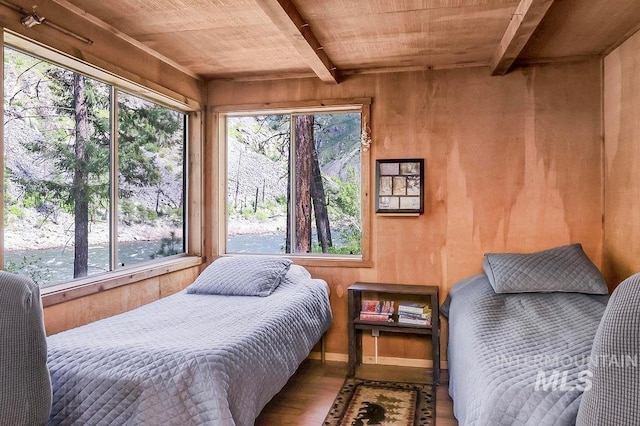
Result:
{"points": [[334, 38]]}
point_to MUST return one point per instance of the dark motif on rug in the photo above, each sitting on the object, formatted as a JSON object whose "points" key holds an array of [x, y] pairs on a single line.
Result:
{"points": [[371, 412], [373, 403]]}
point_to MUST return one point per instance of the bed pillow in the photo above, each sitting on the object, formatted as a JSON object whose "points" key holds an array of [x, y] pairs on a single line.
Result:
{"points": [[241, 276], [561, 269]]}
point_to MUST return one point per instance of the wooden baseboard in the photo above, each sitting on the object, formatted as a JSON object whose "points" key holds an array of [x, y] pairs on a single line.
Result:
{"points": [[402, 362], [330, 356], [382, 360]]}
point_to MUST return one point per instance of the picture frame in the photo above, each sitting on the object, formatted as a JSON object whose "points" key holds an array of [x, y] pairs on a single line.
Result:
{"points": [[400, 186]]}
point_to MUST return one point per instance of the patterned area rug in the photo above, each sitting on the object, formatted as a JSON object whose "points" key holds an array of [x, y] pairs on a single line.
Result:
{"points": [[367, 402]]}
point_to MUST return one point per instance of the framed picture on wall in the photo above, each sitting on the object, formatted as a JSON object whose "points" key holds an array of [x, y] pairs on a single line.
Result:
{"points": [[400, 186]]}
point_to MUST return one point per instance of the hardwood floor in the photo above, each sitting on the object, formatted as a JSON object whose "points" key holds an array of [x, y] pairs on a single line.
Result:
{"points": [[307, 397]]}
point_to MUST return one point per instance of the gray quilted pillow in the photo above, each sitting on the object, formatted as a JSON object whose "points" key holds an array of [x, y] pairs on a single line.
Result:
{"points": [[241, 276], [561, 269]]}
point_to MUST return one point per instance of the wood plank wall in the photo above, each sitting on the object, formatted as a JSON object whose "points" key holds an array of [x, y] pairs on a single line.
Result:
{"points": [[513, 163], [622, 162], [77, 312]]}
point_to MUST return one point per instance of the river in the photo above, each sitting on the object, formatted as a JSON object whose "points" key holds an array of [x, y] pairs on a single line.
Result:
{"points": [[51, 266], [54, 265]]}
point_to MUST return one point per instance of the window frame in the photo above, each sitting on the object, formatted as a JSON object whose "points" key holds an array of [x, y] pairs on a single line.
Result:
{"points": [[362, 105], [192, 256]]}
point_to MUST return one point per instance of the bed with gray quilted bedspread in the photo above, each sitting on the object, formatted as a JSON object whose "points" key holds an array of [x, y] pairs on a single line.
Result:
{"points": [[187, 359], [500, 344]]}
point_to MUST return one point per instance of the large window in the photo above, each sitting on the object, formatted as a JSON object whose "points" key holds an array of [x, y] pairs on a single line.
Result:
{"points": [[93, 177], [294, 183]]}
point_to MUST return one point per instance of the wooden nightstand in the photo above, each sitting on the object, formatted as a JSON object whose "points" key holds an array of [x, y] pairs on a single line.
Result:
{"points": [[396, 291]]}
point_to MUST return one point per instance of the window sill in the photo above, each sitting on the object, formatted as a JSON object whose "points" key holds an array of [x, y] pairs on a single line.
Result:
{"points": [[318, 261], [329, 261], [96, 284]]}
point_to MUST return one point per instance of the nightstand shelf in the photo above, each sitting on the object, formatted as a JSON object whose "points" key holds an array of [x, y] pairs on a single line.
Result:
{"points": [[395, 291], [392, 327]]}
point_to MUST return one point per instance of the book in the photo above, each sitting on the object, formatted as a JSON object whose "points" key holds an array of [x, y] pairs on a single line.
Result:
{"points": [[409, 315], [413, 308], [405, 320], [372, 316], [377, 306]]}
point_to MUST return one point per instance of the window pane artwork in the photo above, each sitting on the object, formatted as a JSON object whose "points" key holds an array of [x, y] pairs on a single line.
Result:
{"points": [[400, 186]]}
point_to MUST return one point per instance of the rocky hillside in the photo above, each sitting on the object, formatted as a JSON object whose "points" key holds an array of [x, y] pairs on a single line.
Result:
{"points": [[249, 172]]}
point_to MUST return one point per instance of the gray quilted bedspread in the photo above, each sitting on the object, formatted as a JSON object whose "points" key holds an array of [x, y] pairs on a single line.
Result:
{"points": [[186, 359], [501, 345]]}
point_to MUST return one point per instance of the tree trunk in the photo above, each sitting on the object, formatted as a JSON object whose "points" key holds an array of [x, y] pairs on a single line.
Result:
{"points": [[303, 178], [320, 205], [287, 234], [235, 200], [255, 204], [80, 178]]}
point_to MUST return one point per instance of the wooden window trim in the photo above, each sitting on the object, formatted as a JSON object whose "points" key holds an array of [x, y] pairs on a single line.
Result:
{"points": [[219, 114], [98, 283], [315, 261], [299, 106], [150, 91]]}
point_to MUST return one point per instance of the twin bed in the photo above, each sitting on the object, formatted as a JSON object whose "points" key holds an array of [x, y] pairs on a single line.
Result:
{"points": [[213, 354], [520, 338]]}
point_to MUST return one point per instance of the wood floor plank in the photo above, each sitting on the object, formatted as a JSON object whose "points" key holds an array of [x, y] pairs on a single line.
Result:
{"points": [[307, 397]]}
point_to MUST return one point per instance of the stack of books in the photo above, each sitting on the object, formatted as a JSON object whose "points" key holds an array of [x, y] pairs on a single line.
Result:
{"points": [[414, 313], [376, 310]]}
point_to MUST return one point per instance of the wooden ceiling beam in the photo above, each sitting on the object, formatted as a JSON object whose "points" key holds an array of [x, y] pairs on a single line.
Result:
{"points": [[524, 22], [286, 17]]}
